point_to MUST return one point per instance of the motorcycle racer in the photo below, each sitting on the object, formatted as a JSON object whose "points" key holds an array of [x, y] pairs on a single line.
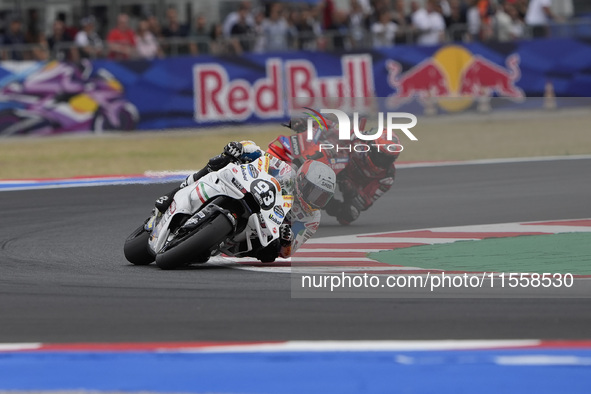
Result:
{"points": [[312, 185], [367, 176]]}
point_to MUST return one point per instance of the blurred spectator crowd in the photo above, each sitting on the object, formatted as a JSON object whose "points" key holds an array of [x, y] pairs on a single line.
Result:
{"points": [[277, 26]]}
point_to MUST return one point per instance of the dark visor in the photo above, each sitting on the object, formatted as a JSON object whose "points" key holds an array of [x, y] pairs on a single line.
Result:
{"points": [[314, 195]]}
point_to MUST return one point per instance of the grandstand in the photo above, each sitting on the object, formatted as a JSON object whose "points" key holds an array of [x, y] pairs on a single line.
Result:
{"points": [[334, 26]]}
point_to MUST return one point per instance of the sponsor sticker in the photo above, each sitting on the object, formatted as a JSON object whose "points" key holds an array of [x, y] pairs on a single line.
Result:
{"points": [[278, 211], [275, 220], [192, 222], [244, 175], [312, 226], [295, 145], [253, 171], [277, 185], [236, 183], [327, 184], [263, 164]]}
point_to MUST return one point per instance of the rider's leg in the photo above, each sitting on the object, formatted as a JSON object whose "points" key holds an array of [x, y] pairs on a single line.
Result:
{"points": [[214, 164], [164, 202]]}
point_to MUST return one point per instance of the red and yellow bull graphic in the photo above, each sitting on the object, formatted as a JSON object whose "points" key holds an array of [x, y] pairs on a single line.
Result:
{"points": [[454, 76]]}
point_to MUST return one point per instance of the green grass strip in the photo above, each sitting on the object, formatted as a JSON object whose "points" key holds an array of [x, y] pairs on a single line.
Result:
{"points": [[553, 253]]}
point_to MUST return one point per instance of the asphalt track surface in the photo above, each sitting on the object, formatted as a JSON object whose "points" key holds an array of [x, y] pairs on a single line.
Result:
{"points": [[63, 276]]}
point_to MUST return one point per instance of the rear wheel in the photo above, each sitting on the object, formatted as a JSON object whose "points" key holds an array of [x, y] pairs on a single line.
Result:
{"points": [[196, 245], [136, 247]]}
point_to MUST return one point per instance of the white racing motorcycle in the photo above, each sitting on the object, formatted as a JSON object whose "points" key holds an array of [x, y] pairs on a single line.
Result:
{"points": [[234, 211]]}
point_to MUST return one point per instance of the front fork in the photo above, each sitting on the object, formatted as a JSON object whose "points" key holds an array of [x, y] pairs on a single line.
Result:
{"points": [[153, 220]]}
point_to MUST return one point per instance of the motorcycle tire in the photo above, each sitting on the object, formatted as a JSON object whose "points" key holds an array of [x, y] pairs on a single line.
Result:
{"points": [[136, 248], [198, 244]]}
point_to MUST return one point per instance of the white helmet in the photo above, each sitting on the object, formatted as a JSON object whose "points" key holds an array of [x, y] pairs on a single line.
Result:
{"points": [[315, 184]]}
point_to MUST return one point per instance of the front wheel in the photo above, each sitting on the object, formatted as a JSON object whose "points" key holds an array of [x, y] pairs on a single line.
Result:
{"points": [[136, 247], [197, 245]]}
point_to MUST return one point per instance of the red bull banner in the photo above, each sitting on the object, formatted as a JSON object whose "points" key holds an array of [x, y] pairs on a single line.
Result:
{"points": [[453, 78], [206, 90]]}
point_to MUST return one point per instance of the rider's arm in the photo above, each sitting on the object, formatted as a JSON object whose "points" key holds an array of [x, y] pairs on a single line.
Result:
{"points": [[284, 173], [367, 195], [302, 229], [232, 152]]}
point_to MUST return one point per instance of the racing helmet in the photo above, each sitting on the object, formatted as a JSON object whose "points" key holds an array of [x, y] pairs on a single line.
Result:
{"points": [[384, 157], [250, 151], [315, 184]]}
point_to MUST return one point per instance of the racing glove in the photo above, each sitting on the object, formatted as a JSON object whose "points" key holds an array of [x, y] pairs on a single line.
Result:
{"points": [[360, 202], [285, 234], [348, 215], [298, 125], [234, 150]]}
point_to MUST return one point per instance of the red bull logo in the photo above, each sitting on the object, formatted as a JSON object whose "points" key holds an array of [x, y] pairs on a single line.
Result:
{"points": [[218, 97], [453, 76], [483, 76], [424, 80]]}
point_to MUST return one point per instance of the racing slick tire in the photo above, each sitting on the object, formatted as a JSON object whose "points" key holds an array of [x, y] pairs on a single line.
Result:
{"points": [[136, 247], [194, 246]]}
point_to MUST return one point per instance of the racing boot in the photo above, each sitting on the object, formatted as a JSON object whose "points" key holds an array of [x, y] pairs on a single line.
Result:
{"points": [[162, 203]]}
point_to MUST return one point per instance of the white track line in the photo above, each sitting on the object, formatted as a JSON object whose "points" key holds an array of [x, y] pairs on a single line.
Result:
{"points": [[11, 347], [334, 346], [542, 359], [372, 346]]}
